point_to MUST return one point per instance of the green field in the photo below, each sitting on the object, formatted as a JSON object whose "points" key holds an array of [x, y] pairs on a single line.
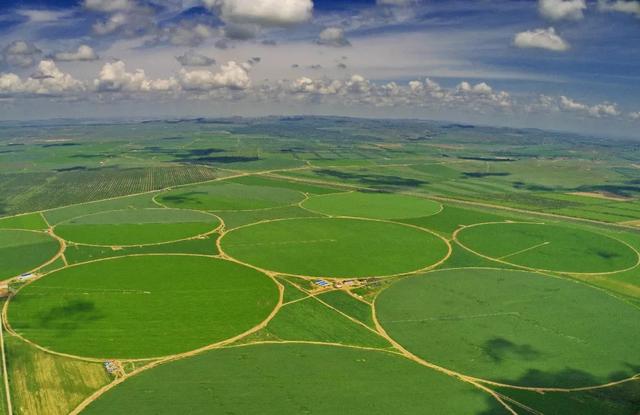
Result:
{"points": [[136, 227], [338, 248], [292, 379], [144, 306], [372, 205], [506, 257], [513, 327], [23, 251], [549, 247], [229, 196]]}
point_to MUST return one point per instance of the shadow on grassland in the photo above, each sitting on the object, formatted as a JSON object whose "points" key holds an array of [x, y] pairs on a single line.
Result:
{"points": [[182, 198], [70, 316], [371, 179], [621, 399]]}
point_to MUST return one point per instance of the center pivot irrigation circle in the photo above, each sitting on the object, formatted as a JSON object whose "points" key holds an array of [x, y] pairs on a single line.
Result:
{"points": [[335, 247], [137, 227], [142, 306], [514, 327], [539, 246]]}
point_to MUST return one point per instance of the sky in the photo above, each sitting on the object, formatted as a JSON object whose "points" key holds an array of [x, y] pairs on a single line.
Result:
{"points": [[553, 64]]}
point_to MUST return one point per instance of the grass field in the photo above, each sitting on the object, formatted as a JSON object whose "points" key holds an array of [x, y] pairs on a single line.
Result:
{"points": [[310, 320], [514, 327], [335, 380], [136, 227], [335, 247], [549, 247], [372, 205], [42, 383], [22, 251], [32, 221], [520, 295], [144, 306], [229, 196]]}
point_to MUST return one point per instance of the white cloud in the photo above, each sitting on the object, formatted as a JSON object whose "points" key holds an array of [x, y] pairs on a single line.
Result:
{"points": [[562, 9], [108, 6], [47, 80], [333, 36], [263, 12], [634, 115], [21, 53], [43, 16], [113, 77], [481, 88], [232, 75], [604, 109], [193, 58], [84, 53], [111, 24], [185, 34], [621, 6], [541, 38]]}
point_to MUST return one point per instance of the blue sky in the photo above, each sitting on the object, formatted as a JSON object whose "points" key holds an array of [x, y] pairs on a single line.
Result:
{"points": [[561, 64]]}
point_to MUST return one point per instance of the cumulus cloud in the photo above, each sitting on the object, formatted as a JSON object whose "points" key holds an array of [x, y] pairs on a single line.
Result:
{"points": [[562, 9], [193, 58], [113, 77], [108, 6], [184, 34], [333, 36], [620, 6], [83, 53], [231, 75], [542, 39], [21, 53], [634, 115], [111, 24], [360, 91], [604, 109], [263, 12], [46, 81]]}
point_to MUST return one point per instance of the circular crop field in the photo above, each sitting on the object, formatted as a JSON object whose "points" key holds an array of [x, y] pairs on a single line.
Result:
{"points": [[142, 306], [229, 196], [338, 248], [372, 205], [549, 247], [294, 379], [23, 251], [136, 227], [514, 327]]}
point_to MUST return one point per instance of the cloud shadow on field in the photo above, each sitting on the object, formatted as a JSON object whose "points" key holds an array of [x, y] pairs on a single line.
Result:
{"points": [[480, 175], [183, 198], [372, 179], [620, 399], [214, 160], [500, 348], [70, 316]]}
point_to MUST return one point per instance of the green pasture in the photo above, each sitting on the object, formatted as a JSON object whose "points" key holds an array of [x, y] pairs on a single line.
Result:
{"points": [[32, 221], [338, 248], [310, 320], [549, 247], [372, 205], [229, 196], [142, 306], [23, 251], [514, 327], [136, 227], [294, 379], [205, 245]]}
